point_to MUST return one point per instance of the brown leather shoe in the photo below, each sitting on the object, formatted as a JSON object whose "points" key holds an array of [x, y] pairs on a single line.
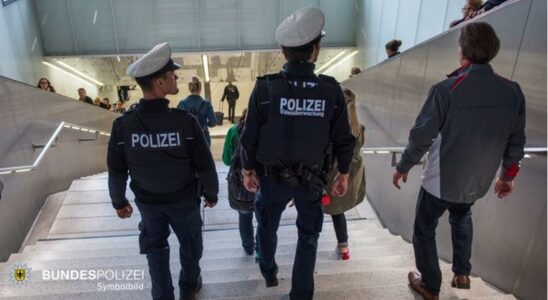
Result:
{"points": [[461, 282], [415, 283]]}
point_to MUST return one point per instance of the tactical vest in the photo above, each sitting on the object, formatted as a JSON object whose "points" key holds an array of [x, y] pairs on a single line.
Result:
{"points": [[297, 125], [157, 155]]}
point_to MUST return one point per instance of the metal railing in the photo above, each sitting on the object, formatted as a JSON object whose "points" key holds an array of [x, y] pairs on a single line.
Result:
{"points": [[50, 143], [529, 152]]}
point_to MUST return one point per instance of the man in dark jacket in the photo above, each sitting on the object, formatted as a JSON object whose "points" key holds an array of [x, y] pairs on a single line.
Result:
{"points": [[165, 152], [468, 125], [231, 94], [292, 118], [82, 96]]}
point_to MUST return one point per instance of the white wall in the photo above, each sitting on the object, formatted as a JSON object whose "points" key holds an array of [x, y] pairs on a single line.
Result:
{"points": [[411, 21], [21, 53], [217, 89]]}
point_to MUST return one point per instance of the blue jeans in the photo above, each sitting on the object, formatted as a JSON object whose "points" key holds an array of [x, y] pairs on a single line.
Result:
{"points": [[429, 210], [270, 202], [185, 220], [246, 230]]}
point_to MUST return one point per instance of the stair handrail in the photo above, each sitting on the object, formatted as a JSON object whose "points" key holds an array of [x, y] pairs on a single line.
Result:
{"points": [[48, 145], [528, 151]]}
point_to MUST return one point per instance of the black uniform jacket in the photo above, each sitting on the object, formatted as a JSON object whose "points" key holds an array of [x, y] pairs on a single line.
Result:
{"points": [[293, 116], [165, 153]]}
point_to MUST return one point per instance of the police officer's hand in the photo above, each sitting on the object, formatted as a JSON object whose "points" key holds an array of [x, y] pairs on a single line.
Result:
{"points": [[209, 204], [396, 179], [503, 188], [125, 212], [251, 181], [340, 185]]}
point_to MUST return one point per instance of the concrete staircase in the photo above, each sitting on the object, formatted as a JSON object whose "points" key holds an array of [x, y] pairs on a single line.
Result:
{"points": [[86, 235]]}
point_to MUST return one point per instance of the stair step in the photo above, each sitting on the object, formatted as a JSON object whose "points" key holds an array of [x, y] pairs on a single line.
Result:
{"points": [[286, 249], [133, 244], [335, 285], [99, 226]]}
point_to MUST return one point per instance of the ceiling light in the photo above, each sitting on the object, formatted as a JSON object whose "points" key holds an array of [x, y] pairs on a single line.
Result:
{"points": [[206, 67], [79, 73], [118, 58], [330, 61], [66, 72], [95, 17], [341, 61]]}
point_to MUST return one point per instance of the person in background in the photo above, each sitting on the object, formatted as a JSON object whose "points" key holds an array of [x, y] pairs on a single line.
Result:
{"points": [[392, 48], [468, 10], [199, 107], [44, 84], [471, 124], [487, 6], [231, 94], [83, 97], [105, 103], [356, 185], [239, 198], [354, 71], [119, 107], [97, 101]]}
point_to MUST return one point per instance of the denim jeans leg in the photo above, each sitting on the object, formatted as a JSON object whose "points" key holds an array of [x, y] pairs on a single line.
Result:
{"points": [[429, 210], [246, 230], [460, 218], [339, 224]]}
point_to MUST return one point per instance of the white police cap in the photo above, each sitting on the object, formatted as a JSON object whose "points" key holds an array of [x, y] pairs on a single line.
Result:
{"points": [[156, 61], [301, 27]]}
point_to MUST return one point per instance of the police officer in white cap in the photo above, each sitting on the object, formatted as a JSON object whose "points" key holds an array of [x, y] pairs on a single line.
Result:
{"points": [[164, 151], [293, 117]]}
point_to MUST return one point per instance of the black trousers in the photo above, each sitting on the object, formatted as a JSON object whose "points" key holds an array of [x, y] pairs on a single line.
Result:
{"points": [[231, 110], [185, 220], [429, 210], [270, 202], [339, 224]]}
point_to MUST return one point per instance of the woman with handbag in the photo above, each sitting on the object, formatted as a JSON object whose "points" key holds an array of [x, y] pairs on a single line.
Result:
{"points": [[239, 198], [356, 183]]}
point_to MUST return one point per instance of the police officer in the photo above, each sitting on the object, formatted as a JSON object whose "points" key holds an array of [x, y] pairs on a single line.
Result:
{"points": [[165, 152], [293, 117]]}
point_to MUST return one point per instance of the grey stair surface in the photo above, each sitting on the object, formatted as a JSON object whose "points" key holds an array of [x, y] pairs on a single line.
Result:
{"points": [[86, 235]]}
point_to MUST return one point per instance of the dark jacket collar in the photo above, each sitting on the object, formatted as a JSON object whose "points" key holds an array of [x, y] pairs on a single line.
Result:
{"points": [[299, 69], [471, 68], [154, 106]]}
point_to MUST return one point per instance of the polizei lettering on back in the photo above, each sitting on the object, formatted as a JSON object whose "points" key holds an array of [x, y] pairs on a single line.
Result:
{"points": [[302, 107], [155, 140]]}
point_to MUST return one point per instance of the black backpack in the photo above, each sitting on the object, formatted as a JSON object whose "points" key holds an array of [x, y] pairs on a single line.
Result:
{"points": [[239, 198]]}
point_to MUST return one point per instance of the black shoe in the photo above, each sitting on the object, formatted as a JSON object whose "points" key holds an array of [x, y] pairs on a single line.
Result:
{"points": [[196, 290], [248, 250], [271, 282]]}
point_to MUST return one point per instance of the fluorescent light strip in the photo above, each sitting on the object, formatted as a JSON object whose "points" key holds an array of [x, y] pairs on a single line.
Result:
{"points": [[95, 17], [66, 72], [341, 61], [330, 61], [206, 67], [79, 73], [23, 170], [118, 58], [8, 172]]}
